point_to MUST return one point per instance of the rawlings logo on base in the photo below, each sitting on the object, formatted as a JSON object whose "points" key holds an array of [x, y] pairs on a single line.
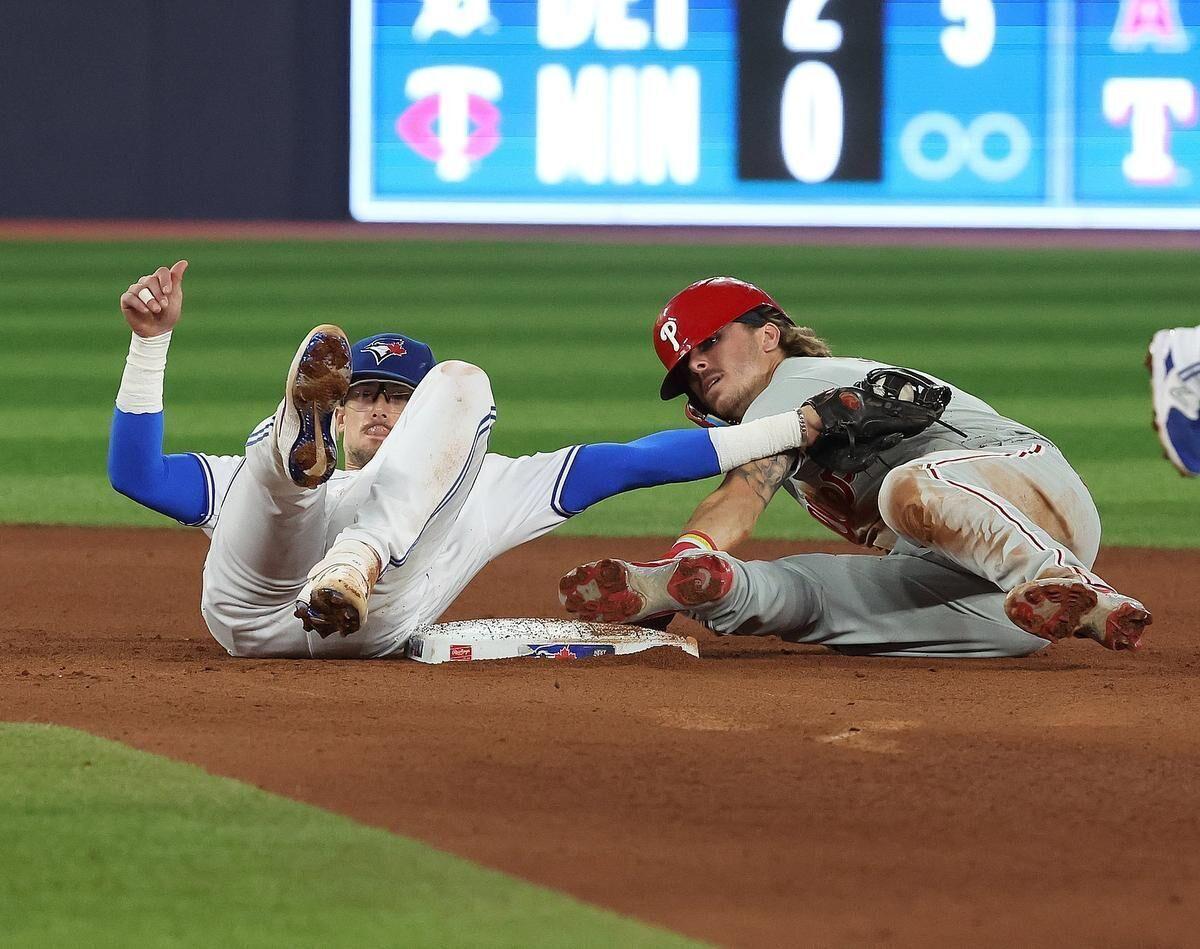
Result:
{"points": [[460, 652]]}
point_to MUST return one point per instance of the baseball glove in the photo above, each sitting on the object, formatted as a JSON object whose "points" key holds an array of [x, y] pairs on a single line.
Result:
{"points": [[861, 421]]}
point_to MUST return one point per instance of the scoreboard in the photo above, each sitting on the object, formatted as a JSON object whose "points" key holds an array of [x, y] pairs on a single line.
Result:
{"points": [[919, 113]]}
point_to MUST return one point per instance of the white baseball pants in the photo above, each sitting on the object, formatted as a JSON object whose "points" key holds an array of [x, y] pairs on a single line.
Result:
{"points": [[403, 503]]}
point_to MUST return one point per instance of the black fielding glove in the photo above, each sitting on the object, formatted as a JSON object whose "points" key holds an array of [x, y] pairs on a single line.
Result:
{"points": [[861, 421]]}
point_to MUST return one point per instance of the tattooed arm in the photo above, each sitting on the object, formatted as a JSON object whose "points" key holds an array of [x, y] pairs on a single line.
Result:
{"points": [[729, 514]]}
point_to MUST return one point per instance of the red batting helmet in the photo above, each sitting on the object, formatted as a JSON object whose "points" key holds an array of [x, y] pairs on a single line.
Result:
{"points": [[694, 314]]}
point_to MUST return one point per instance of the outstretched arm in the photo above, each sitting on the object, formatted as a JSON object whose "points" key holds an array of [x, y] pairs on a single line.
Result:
{"points": [[728, 515], [174, 485], [603, 470]]}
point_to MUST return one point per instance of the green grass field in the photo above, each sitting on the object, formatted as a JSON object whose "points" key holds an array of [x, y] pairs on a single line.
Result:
{"points": [[170, 856], [1053, 338], [107, 846]]}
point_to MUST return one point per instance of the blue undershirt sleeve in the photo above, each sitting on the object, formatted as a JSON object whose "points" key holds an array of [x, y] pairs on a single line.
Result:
{"points": [[602, 470], [174, 485]]}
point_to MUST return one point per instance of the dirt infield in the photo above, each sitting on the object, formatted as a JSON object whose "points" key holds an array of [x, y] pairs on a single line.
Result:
{"points": [[764, 795]]}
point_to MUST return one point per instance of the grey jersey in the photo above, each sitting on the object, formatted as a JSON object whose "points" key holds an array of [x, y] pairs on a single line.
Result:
{"points": [[848, 503]]}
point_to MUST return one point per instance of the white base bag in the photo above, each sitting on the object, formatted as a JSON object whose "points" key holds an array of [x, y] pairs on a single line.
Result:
{"points": [[536, 638]]}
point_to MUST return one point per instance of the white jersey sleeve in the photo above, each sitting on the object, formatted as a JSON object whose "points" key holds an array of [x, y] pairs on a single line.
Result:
{"points": [[219, 471], [518, 499]]}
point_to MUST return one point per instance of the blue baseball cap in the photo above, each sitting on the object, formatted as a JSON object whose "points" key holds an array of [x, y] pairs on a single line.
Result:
{"points": [[390, 357]]}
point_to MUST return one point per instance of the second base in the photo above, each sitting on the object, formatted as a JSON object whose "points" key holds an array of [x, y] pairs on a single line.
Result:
{"points": [[536, 638]]}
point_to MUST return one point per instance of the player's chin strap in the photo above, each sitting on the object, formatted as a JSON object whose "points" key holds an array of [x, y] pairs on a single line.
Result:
{"points": [[702, 418]]}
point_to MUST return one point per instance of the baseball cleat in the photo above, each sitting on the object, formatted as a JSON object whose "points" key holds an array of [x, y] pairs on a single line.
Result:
{"points": [[616, 591], [1174, 364], [339, 586], [1059, 607], [317, 381]]}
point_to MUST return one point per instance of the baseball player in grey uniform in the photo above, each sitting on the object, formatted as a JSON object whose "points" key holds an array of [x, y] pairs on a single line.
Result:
{"points": [[302, 550], [990, 535]]}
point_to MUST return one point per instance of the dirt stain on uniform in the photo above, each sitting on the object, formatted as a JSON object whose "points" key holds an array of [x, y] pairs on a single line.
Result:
{"points": [[909, 512], [915, 505], [1028, 498]]}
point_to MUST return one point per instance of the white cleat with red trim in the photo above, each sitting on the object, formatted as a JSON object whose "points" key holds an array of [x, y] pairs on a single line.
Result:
{"points": [[617, 591], [1058, 607]]}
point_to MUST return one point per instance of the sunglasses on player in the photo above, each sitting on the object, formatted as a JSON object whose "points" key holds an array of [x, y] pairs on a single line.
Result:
{"points": [[362, 395]]}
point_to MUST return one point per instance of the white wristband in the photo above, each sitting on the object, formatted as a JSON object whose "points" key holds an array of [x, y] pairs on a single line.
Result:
{"points": [[737, 445], [141, 389]]}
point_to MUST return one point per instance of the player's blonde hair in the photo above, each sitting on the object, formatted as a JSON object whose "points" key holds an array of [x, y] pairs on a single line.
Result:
{"points": [[795, 340]]}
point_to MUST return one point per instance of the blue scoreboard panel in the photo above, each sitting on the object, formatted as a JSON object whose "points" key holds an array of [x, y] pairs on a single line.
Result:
{"points": [[989, 113]]}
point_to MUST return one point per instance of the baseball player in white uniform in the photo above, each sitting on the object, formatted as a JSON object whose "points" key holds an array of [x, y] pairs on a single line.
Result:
{"points": [[1174, 364], [301, 550], [989, 534]]}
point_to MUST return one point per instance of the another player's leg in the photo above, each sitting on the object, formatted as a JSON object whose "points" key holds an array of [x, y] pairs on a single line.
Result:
{"points": [[1174, 364], [1022, 519], [273, 523], [1058, 607], [620, 591], [901, 605], [402, 505]]}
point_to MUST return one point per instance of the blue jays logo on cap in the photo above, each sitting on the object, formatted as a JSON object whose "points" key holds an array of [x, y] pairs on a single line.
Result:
{"points": [[382, 350], [391, 357]]}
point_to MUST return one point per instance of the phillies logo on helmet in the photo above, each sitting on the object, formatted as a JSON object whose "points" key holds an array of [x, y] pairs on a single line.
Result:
{"points": [[383, 350], [668, 333]]}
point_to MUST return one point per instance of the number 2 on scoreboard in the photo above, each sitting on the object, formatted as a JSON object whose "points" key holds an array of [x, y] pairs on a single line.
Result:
{"points": [[805, 32]]}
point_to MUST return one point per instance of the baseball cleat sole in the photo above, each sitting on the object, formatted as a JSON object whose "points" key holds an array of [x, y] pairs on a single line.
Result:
{"points": [[1056, 608], [617, 591], [317, 382], [335, 599], [329, 611]]}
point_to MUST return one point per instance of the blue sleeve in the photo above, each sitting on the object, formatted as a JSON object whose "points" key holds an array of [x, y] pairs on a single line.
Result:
{"points": [[175, 485], [600, 471]]}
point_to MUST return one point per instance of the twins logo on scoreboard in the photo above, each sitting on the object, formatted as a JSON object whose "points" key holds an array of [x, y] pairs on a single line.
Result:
{"points": [[453, 122]]}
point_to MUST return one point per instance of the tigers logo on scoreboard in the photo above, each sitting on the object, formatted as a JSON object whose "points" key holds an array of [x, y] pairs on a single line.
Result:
{"points": [[460, 18]]}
